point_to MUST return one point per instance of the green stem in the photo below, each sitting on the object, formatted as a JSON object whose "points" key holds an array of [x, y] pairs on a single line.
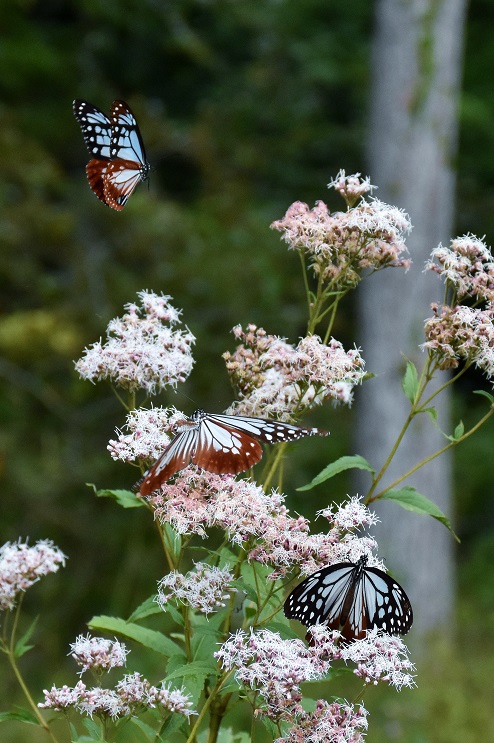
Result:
{"points": [[207, 704], [432, 456]]}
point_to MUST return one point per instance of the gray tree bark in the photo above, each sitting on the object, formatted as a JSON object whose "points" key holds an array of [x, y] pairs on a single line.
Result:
{"points": [[416, 67]]}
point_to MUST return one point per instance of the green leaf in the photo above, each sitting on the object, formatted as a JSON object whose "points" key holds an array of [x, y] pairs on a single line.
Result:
{"points": [[21, 715], [410, 383], [124, 498], [341, 464], [485, 394], [176, 723], [148, 608], [196, 668], [432, 412], [148, 637], [204, 642], [94, 731], [143, 727], [412, 500], [22, 645], [458, 432]]}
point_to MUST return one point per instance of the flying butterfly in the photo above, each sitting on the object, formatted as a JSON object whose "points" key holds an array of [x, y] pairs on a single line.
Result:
{"points": [[224, 444], [115, 144], [352, 598]]}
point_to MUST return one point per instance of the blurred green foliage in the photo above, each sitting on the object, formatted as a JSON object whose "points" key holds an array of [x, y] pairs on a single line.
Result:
{"points": [[244, 108]]}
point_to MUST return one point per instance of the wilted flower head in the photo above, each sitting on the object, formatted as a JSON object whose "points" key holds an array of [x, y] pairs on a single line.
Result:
{"points": [[273, 378], [461, 333], [468, 265], [22, 565], [340, 246], [148, 434], [203, 588], [331, 722], [98, 653], [351, 187], [143, 349]]}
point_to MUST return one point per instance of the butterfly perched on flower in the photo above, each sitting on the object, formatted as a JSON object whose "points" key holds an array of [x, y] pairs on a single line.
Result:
{"points": [[352, 598], [224, 444], [115, 144]]}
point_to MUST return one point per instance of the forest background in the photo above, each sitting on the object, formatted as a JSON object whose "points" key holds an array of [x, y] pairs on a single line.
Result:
{"points": [[244, 108]]}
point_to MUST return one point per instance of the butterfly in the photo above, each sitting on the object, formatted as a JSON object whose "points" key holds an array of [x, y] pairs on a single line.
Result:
{"points": [[224, 444], [115, 144], [352, 598]]}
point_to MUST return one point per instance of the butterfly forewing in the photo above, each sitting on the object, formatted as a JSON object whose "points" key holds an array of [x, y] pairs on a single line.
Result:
{"points": [[271, 432], [176, 456], [96, 128], [126, 140], [352, 598]]}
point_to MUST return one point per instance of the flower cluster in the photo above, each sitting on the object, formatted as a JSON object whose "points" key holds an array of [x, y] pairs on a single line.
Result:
{"points": [[351, 187], [148, 434], [273, 667], [340, 246], [143, 349], [98, 653], [273, 378], [468, 265], [380, 657], [198, 500], [461, 333], [335, 722], [21, 566], [132, 694], [202, 588]]}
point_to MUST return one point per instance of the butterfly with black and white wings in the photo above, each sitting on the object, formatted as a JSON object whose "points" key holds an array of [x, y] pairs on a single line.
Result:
{"points": [[118, 161], [352, 598], [223, 444]]}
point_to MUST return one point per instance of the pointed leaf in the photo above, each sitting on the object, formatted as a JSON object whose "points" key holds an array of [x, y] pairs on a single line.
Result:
{"points": [[21, 715], [412, 500], [432, 412], [148, 637], [124, 498], [146, 609], [410, 383], [341, 464], [485, 394], [21, 645]]}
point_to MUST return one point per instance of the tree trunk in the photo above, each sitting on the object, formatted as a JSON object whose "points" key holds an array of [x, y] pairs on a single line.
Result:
{"points": [[412, 140]]}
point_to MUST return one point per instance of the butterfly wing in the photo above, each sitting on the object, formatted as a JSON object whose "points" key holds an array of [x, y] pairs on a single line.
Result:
{"points": [[176, 456], [96, 128], [126, 140], [386, 604], [95, 171], [270, 432], [119, 180], [223, 449], [320, 598], [351, 598]]}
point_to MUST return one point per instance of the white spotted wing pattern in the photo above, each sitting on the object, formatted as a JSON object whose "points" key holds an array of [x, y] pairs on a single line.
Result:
{"points": [[224, 444], [352, 598]]}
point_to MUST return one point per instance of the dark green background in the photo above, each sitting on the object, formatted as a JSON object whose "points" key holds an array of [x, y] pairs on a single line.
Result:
{"points": [[244, 107]]}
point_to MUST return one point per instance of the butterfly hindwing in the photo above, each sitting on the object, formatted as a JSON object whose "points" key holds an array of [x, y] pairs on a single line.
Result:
{"points": [[120, 179], [177, 455]]}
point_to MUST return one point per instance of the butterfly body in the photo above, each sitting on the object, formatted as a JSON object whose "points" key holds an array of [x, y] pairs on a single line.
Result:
{"points": [[224, 444], [352, 598], [118, 161]]}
